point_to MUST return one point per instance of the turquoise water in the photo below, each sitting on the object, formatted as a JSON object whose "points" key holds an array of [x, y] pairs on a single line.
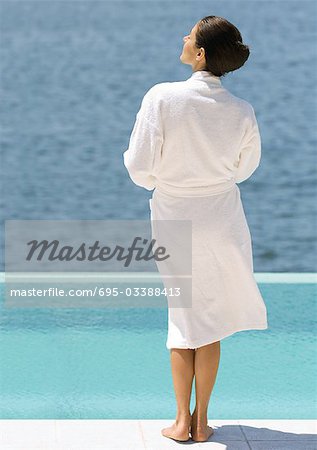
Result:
{"points": [[113, 364]]}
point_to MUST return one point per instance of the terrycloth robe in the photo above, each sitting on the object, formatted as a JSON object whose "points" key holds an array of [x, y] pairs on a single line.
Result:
{"points": [[192, 142]]}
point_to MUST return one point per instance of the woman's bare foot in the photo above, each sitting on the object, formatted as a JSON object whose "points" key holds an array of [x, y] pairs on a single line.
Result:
{"points": [[179, 430], [200, 432]]}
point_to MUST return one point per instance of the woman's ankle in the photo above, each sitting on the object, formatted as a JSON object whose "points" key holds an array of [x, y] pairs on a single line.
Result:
{"points": [[183, 416], [200, 418]]}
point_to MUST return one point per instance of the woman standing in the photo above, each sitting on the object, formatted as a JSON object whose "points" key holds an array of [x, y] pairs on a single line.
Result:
{"points": [[192, 142]]}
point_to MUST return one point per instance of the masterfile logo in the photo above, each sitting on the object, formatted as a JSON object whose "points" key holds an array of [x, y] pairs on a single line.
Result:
{"points": [[111, 263]]}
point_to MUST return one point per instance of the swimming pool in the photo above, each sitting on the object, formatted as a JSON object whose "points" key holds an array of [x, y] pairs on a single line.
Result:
{"points": [[113, 364]]}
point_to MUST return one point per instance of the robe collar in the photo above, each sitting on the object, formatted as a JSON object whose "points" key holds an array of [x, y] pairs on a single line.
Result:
{"points": [[204, 75]]}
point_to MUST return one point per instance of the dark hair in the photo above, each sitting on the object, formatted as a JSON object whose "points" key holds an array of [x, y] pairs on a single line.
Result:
{"points": [[222, 41]]}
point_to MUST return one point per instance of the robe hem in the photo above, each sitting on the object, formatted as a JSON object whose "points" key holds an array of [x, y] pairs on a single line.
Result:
{"points": [[261, 326]]}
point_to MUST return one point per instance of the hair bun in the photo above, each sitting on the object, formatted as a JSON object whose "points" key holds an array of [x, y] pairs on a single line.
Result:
{"points": [[241, 45], [224, 50]]}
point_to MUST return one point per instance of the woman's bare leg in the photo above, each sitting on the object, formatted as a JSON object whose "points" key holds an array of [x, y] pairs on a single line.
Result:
{"points": [[206, 363], [182, 362]]}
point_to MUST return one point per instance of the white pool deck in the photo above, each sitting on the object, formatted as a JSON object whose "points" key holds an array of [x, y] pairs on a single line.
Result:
{"points": [[146, 435]]}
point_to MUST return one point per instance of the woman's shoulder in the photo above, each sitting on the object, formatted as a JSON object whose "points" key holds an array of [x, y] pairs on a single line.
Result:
{"points": [[166, 90], [241, 103]]}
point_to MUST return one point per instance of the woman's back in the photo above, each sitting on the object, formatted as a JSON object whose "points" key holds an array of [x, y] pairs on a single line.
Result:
{"points": [[198, 135]]}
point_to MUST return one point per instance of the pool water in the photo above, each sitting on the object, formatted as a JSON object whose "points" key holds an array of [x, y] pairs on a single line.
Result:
{"points": [[113, 364]]}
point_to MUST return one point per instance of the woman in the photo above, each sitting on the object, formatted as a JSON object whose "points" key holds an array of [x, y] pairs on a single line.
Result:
{"points": [[192, 142]]}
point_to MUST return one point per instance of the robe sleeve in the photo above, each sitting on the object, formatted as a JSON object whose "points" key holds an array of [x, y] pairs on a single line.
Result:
{"points": [[143, 155], [250, 153]]}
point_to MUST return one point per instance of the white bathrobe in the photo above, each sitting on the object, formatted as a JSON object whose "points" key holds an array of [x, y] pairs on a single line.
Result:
{"points": [[192, 142]]}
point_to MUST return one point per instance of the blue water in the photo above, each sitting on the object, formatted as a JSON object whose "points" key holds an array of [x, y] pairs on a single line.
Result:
{"points": [[113, 364], [72, 78]]}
